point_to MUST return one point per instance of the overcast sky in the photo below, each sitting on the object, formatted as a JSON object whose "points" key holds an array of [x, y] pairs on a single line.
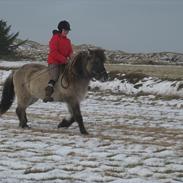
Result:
{"points": [[128, 25]]}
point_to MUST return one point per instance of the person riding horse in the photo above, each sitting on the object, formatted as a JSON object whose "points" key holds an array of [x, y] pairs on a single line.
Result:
{"points": [[28, 84], [60, 51]]}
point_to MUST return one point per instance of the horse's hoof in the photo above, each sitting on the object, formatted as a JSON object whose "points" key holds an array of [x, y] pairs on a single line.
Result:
{"points": [[25, 126], [45, 100], [63, 124], [84, 132], [60, 125], [48, 99]]}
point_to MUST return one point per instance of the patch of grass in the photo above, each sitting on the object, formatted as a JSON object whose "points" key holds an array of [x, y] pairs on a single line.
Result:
{"points": [[166, 72], [113, 172], [113, 164], [106, 137], [112, 155], [71, 154], [55, 178], [133, 165], [36, 170], [92, 159], [161, 150], [47, 154], [90, 166], [73, 169], [180, 175], [168, 97], [132, 77], [14, 57]]}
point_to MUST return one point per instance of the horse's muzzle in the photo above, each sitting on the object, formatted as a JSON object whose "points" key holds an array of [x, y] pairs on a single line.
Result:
{"points": [[101, 76], [104, 76]]}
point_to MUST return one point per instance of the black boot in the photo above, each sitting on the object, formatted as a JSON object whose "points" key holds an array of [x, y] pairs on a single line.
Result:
{"points": [[49, 91]]}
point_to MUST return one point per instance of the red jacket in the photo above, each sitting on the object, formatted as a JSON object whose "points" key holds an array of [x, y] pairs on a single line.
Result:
{"points": [[60, 49]]}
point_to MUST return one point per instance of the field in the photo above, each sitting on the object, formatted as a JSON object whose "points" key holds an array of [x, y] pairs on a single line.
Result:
{"points": [[171, 72], [132, 139]]}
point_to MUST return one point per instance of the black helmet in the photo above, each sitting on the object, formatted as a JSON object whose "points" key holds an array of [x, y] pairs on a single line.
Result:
{"points": [[64, 25]]}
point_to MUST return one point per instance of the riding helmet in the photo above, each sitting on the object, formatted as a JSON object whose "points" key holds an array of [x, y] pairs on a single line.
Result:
{"points": [[64, 25]]}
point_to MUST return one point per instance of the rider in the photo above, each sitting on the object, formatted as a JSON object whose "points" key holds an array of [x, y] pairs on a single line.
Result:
{"points": [[60, 50]]}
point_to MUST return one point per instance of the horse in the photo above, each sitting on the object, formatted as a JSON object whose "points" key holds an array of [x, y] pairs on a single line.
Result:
{"points": [[29, 81]]}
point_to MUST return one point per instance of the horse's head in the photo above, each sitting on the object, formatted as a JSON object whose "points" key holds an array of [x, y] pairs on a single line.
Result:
{"points": [[95, 64]]}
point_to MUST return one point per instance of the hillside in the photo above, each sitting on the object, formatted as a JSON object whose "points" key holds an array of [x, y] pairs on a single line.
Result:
{"points": [[164, 65], [35, 51]]}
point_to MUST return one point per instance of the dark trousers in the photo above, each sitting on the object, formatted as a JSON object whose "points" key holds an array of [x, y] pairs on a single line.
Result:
{"points": [[54, 71]]}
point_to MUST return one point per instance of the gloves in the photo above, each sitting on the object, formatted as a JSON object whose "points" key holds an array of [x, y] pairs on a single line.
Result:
{"points": [[64, 61]]}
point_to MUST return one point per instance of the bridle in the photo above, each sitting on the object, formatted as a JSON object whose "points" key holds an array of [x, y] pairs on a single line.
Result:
{"points": [[97, 73], [69, 69]]}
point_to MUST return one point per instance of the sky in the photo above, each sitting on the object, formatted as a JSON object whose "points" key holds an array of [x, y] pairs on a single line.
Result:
{"points": [[127, 25]]}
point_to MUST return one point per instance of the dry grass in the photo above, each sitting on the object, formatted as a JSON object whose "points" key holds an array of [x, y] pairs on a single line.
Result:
{"points": [[170, 72]]}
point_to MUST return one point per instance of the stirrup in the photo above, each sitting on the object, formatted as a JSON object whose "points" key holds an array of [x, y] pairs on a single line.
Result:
{"points": [[49, 91]]}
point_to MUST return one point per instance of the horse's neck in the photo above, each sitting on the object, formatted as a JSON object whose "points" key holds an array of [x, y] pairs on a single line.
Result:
{"points": [[73, 77], [75, 72]]}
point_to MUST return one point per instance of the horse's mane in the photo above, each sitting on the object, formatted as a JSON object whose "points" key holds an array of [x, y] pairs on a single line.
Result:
{"points": [[79, 56], [99, 53], [79, 61]]}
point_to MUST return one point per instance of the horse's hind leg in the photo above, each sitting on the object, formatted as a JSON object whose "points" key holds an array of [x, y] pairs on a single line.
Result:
{"points": [[23, 103], [20, 111], [78, 118]]}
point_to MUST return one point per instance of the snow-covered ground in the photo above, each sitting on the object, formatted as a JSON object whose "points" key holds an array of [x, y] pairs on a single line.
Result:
{"points": [[133, 138]]}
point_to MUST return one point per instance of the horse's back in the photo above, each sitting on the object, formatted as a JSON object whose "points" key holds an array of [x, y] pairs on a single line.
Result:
{"points": [[31, 68], [26, 72], [30, 77]]}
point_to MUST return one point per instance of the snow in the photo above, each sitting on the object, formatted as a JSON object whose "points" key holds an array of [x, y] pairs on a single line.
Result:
{"points": [[149, 86], [15, 64], [133, 139]]}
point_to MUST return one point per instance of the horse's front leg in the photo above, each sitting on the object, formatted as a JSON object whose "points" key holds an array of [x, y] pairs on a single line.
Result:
{"points": [[74, 109], [66, 122], [78, 118]]}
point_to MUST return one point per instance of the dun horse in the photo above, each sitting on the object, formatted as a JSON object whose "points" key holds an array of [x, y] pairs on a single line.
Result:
{"points": [[28, 85]]}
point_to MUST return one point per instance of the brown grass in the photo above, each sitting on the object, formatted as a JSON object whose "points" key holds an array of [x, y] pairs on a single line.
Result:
{"points": [[169, 72]]}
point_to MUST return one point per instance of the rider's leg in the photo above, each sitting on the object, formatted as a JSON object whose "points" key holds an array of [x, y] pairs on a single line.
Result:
{"points": [[54, 71]]}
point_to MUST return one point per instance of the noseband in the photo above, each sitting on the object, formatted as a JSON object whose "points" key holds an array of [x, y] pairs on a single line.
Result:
{"points": [[97, 74]]}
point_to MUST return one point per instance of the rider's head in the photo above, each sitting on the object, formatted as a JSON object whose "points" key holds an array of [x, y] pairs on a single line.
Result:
{"points": [[64, 25]]}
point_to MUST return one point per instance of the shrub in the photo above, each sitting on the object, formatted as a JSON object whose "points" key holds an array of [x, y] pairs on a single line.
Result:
{"points": [[8, 43]]}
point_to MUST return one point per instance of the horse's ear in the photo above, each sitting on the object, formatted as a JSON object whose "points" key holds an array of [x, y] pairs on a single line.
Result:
{"points": [[90, 51], [94, 51], [101, 50]]}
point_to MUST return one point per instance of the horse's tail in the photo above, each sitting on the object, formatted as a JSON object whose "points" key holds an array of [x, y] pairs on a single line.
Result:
{"points": [[8, 94]]}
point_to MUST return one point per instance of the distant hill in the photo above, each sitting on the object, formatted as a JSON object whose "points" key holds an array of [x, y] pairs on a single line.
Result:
{"points": [[34, 51]]}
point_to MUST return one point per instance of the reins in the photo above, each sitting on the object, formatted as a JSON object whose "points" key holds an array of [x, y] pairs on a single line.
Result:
{"points": [[68, 69]]}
